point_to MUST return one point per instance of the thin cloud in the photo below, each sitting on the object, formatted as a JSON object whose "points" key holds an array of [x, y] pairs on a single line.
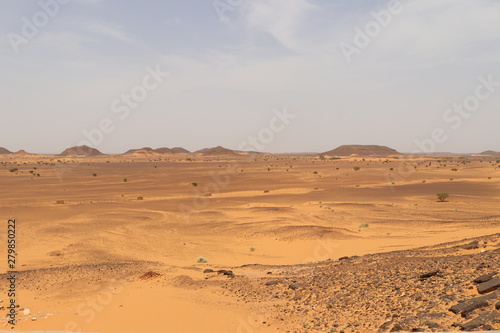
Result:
{"points": [[108, 30], [282, 19]]}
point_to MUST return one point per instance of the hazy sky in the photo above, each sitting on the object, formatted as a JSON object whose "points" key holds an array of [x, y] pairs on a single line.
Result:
{"points": [[350, 71]]}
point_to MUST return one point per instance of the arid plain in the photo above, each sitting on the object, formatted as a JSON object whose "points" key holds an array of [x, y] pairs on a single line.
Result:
{"points": [[117, 243]]}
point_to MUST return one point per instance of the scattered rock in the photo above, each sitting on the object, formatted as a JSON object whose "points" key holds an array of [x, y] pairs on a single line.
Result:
{"points": [[471, 246], [206, 271], [428, 274], [468, 306], [488, 286], [225, 272], [397, 328], [431, 324], [485, 277], [483, 319], [272, 283], [149, 275], [295, 286]]}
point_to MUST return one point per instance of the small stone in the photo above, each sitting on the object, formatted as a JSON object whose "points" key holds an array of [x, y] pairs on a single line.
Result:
{"points": [[206, 271], [471, 246], [431, 324], [271, 283], [225, 272], [26, 312], [429, 274]]}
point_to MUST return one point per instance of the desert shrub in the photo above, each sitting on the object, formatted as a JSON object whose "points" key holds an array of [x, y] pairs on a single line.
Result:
{"points": [[442, 196], [363, 225], [94, 174], [356, 168], [201, 260], [194, 184], [125, 180], [14, 170]]}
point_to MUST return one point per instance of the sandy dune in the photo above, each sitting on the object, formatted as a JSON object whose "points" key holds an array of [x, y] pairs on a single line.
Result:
{"points": [[80, 261]]}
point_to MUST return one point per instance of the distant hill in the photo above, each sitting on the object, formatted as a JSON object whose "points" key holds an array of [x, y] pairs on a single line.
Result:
{"points": [[81, 151], [142, 151], [362, 150], [179, 150], [164, 150], [4, 151], [175, 150], [490, 153], [151, 151], [22, 152], [215, 151]]}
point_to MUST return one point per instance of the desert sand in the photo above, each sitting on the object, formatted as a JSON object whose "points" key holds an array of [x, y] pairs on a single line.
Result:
{"points": [[119, 243]]}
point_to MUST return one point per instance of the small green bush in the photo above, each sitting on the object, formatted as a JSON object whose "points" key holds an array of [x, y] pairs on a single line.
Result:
{"points": [[442, 196]]}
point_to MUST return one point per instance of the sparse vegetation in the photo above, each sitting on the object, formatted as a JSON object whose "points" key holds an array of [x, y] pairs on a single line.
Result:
{"points": [[194, 184], [442, 196], [202, 260], [356, 168]]}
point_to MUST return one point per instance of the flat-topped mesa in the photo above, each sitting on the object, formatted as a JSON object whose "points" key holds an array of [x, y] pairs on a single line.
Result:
{"points": [[81, 151], [362, 150], [151, 151], [215, 151]]}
